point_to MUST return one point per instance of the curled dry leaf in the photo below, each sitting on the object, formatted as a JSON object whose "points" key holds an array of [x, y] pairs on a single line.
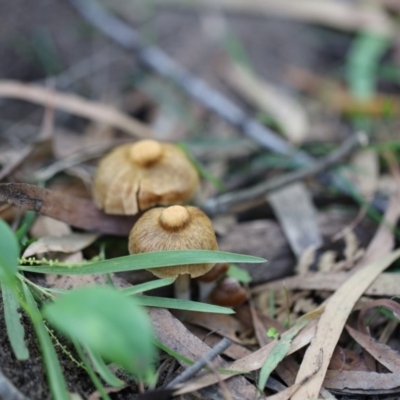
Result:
{"points": [[65, 244], [381, 352], [46, 226], [362, 382], [75, 211]]}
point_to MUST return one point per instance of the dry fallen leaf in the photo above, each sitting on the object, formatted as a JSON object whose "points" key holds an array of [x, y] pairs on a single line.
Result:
{"points": [[250, 363], [283, 108], [75, 211], [386, 284], [173, 333], [340, 304], [70, 243], [298, 216], [381, 352]]}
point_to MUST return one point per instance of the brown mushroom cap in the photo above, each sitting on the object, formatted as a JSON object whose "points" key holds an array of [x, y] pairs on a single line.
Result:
{"points": [[174, 228], [229, 293], [212, 275], [138, 176]]}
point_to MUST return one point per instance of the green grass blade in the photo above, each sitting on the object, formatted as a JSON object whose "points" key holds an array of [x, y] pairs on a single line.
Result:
{"points": [[9, 253], [55, 377], [96, 381], [144, 287], [103, 370], [178, 304], [15, 329], [282, 347], [137, 262], [172, 352]]}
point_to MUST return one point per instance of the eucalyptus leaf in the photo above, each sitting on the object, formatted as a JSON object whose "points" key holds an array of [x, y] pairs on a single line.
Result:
{"points": [[110, 324], [9, 253], [135, 262]]}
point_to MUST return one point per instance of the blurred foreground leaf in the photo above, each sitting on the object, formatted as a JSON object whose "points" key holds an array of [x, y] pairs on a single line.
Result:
{"points": [[108, 323]]}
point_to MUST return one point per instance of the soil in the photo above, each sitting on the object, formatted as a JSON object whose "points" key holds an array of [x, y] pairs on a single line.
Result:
{"points": [[29, 376]]}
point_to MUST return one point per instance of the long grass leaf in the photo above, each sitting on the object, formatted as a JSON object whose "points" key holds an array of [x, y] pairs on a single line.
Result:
{"points": [[137, 262], [103, 369], [179, 304], [96, 381], [15, 329], [144, 287], [55, 377]]}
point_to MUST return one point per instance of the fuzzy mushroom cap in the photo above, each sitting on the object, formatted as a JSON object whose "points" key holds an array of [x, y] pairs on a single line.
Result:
{"points": [[138, 176], [174, 228]]}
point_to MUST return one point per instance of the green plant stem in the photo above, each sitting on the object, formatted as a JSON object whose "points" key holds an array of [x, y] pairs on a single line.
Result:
{"points": [[91, 373]]}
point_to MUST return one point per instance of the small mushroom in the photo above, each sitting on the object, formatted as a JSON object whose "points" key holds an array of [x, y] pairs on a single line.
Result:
{"points": [[174, 228], [135, 177], [207, 282], [229, 293]]}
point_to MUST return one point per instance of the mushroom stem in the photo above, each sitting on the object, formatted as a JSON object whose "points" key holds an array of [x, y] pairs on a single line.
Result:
{"points": [[205, 288], [182, 287]]}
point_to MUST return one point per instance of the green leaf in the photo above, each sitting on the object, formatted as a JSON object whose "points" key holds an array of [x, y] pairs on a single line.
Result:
{"points": [[15, 329], [217, 183], [109, 323], [136, 262], [144, 287], [240, 274], [103, 370], [55, 377], [179, 304], [172, 352], [96, 381], [282, 347], [9, 252]]}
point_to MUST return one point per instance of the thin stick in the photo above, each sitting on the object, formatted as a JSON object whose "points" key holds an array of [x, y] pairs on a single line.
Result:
{"points": [[243, 199], [202, 362]]}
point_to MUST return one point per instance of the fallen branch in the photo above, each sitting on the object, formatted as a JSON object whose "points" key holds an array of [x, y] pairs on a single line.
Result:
{"points": [[242, 199], [74, 104]]}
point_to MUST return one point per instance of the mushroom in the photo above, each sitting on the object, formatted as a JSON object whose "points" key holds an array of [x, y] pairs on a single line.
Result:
{"points": [[138, 176], [174, 228], [229, 293], [207, 281]]}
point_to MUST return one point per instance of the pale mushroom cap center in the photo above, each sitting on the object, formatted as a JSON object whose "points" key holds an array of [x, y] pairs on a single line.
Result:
{"points": [[145, 152], [174, 217]]}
